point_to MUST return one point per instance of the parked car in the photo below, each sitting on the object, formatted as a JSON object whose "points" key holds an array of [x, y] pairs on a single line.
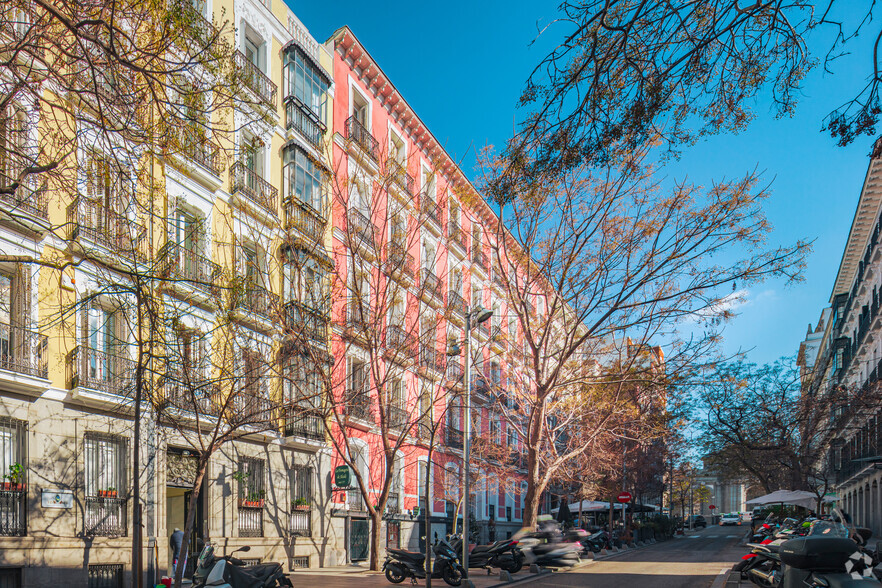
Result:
{"points": [[730, 518], [698, 521]]}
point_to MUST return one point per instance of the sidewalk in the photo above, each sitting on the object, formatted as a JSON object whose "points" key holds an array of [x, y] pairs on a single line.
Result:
{"points": [[347, 577]]}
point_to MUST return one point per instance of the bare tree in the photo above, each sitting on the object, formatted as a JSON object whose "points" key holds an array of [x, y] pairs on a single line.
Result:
{"points": [[613, 254]]}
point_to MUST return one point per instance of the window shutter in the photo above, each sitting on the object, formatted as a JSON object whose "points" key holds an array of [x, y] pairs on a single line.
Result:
{"points": [[21, 305], [91, 175]]}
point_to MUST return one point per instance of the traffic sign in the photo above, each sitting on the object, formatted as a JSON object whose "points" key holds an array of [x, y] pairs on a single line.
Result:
{"points": [[712, 507], [624, 497]]}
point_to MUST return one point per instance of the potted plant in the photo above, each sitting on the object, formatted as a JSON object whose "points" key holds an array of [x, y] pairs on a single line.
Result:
{"points": [[111, 492], [15, 477], [301, 504]]}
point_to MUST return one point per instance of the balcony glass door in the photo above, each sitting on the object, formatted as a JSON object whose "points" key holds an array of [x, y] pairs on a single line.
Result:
{"points": [[186, 236], [6, 343], [100, 335]]}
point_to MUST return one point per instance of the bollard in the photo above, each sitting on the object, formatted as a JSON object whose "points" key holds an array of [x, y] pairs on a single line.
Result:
{"points": [[505, 576], [534, 569]]}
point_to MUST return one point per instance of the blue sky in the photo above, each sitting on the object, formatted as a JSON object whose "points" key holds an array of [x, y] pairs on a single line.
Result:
{"points": [[462, 67]]}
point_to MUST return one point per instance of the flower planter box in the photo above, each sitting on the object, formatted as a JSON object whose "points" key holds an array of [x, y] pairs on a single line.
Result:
{"points": [[13, 486], [107, 494], [244, 503], [301, 507]]}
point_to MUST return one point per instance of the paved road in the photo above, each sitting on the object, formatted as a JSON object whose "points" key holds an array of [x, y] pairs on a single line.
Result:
{"points": [[694, 561]]}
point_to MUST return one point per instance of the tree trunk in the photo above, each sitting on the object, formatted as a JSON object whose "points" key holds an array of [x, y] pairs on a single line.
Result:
{"points": [[191, 518], [531, 500], [376, 522]]}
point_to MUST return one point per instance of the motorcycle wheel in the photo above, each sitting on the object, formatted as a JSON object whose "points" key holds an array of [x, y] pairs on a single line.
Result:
{"points": [[394, 575], [515, 566], [451, 576]]}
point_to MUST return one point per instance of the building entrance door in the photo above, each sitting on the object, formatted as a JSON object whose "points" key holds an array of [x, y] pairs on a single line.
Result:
{"points": [[179, 489], [359, 538]]}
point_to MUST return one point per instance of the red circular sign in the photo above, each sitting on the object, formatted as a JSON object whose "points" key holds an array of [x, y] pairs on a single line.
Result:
{"points": [[712, 507], [624, 497]]}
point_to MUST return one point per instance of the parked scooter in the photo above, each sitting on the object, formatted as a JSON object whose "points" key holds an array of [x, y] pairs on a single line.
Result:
{"points": [[401, 564], [596, 541], [549, 546], [503, 554], [228, 571]]}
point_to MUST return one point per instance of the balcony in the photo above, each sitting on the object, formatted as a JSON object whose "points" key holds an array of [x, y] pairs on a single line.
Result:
{"points": [[354, 499], [431, 211], [497, 277], [305, 422], [309, 322], [13, 513], [456, 303], [34, 203], [101, 371], [454, 372], [357, 133], [305, 219], [396, 416], [400, 263], [453, 437], [257, 300], [92, 221], [431, 284], [431, 360], [186, 265], [479, 259], [300, 521], [245, 181], [358, 406], [457, 236], [251, 402], [105, 517], [393, 504], [23, 351], [192, 143], [361, 229], [188, 390], [198, 28], [300, 117], [250, 523], [398, 174], [400, 342], [482, 330], [257, 81]]}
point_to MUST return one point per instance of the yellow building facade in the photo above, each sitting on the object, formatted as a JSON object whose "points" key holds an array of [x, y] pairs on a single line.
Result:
{"points": [[199, 282]]}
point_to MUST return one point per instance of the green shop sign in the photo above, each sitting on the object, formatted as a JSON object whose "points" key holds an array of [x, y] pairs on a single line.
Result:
{"points": [[342, 476]]}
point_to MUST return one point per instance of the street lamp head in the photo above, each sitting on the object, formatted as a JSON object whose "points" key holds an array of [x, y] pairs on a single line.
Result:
{"points": [[482, 314], [454, 349]]}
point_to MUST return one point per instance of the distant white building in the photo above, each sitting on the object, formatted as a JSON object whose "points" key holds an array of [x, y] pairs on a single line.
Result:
{"points": [[726, 496]]}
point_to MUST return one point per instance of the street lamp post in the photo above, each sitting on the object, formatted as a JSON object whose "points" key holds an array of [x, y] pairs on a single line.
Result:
{"points": [[479, 315]]}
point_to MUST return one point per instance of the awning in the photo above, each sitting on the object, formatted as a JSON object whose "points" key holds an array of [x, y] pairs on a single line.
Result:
{"points": [[794, 497]]}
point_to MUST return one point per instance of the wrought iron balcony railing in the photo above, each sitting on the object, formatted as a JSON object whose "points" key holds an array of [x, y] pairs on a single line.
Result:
{"points": [[401, 261], [431, 359], [23, 351], [303, 422], [399, 175], [257, 81], [310, 322], [456, 235], [355, 131], [454, 371], [431, 283], [431, 209], [456, 303], [246, 181], [13, 513], [305, 219], [105, 517], [192, 143], [183, 264], [28, 201], [400, 340], [99, 370], [453, 437], [250, 523], [302, 119], [93, 221], [479, 258], [396, 416], [300, 523], [358, 405], [189, 390], [257, 300], [361, 227]]}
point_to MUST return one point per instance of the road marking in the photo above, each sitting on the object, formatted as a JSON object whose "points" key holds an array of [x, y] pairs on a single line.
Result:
{"points": [[695, 536], [732, 536], [712, 536]]}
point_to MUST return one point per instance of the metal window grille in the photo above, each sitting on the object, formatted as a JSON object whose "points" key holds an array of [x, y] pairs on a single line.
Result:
{"points": [[14, 465], [300, 561], [106, 576], [301, 501], [105, 460], [251, 496]]}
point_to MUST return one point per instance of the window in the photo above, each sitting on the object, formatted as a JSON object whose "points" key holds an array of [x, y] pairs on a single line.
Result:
{"points": [[306, 281], [13, 491], [397, 150], [104, 461], [422, 470], [429, 185], [304, 382], [251, 481], [360, 109], [253, 49], [307, 83], [109, 185], [454, 212], [301, 500], [304, 178], [429, 255], [358, 376], [476, 238], [13, 141], [253, 156], [477, 295], [104, 338]]}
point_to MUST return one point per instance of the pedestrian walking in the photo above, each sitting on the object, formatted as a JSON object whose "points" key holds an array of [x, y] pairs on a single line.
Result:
{"points": [[176, 541]]}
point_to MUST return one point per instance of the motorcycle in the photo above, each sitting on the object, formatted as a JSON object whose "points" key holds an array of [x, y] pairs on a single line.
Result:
{"points": [[596, 541], [401, 564], [549, 546], [228, 571], [503, 554]]}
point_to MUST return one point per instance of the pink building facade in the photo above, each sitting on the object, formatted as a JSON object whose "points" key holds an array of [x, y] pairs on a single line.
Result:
{"points": [[413, 248]]}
